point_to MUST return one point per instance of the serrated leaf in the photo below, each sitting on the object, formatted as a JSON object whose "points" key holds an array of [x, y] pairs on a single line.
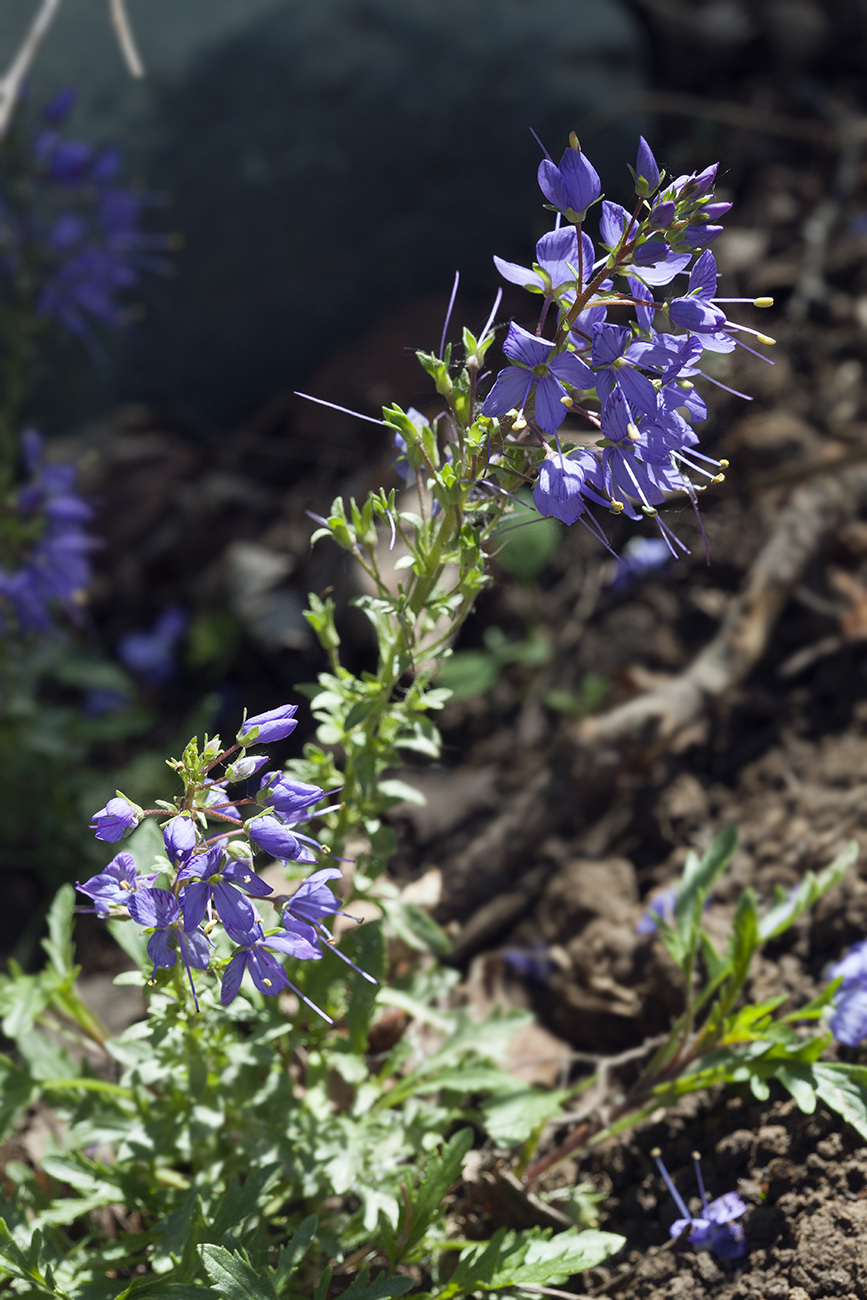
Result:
{"points": [[442, 1169], [294, 1251], [512, 1118], [548, 1263], [234, 1276], [381, 1288], [59, 944]]}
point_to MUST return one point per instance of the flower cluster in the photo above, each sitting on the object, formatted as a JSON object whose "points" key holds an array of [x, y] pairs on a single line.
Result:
{"points": [[44, 560], [210, 876], [716, 1229], [70, 232], [631, 382]]}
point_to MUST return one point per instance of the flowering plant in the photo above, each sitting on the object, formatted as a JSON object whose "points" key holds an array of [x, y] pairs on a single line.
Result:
{"points": [[627, 343], [252, 1151]]}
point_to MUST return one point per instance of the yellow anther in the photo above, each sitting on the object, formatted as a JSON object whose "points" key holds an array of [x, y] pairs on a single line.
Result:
{"points": [[267, 983], [632, 430], [566, 400], [616, 506], [763, 302], [766, 338], [724, 464], [718, 478], [685, 383], [520, 423]]}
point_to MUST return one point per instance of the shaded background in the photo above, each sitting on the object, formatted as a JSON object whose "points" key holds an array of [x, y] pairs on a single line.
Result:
{"points": [[324, 160]]}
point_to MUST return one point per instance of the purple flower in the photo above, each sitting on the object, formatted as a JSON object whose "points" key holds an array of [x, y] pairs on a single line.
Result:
{"points": [[158, 910], [151, 654], [647, 174], [208, 875], [563, 484], [269, 834], [52, 545], [217, 802], [715, 1228], [849, 1018], [661, 908], [249, 765], [118, 818], [641, 555], [256, 956], [557, 263], [57, 110], [534, 365], [313, 899], [534, 962], [573, 186], [291, 798], [697, 311], [655, 262], [113, 886], [265, 728], [179, 838], [311, 902]]}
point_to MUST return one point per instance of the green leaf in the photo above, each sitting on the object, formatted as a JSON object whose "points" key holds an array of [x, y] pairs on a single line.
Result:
{"points": [[442, 1169], [294, 1251], [402, 792], [58, 945], [799, 1080], [701, 874], [529, 1258], [12, 1253], [468, 673], [548, 1263], [786, 910], [844, 1088], [416, 927], [234, 1276], [379, 1289], [513, 1117], [527, 542]]}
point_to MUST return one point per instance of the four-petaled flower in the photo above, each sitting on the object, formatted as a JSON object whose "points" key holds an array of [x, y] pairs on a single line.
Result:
{"points": [[255, 954], [158, 910], [536, 364], [206, 876]]}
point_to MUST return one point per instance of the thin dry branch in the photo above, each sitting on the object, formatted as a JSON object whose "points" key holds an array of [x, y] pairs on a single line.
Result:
{"points": [[653, 720], [125, 39], [10, 84]]}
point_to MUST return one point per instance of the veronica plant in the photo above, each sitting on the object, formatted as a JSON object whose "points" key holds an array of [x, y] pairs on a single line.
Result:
{"points": [[595, 410]]}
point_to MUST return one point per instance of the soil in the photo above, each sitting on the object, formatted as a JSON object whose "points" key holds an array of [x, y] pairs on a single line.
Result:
{"points": [[541, 832]]}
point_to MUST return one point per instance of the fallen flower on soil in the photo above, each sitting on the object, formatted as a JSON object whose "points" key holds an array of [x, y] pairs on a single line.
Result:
{"points": [[715, 1228]]}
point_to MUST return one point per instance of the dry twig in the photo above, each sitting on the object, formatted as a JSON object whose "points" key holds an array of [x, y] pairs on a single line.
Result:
{"points": [[121, 24], [10, 84], [653, 720]]}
